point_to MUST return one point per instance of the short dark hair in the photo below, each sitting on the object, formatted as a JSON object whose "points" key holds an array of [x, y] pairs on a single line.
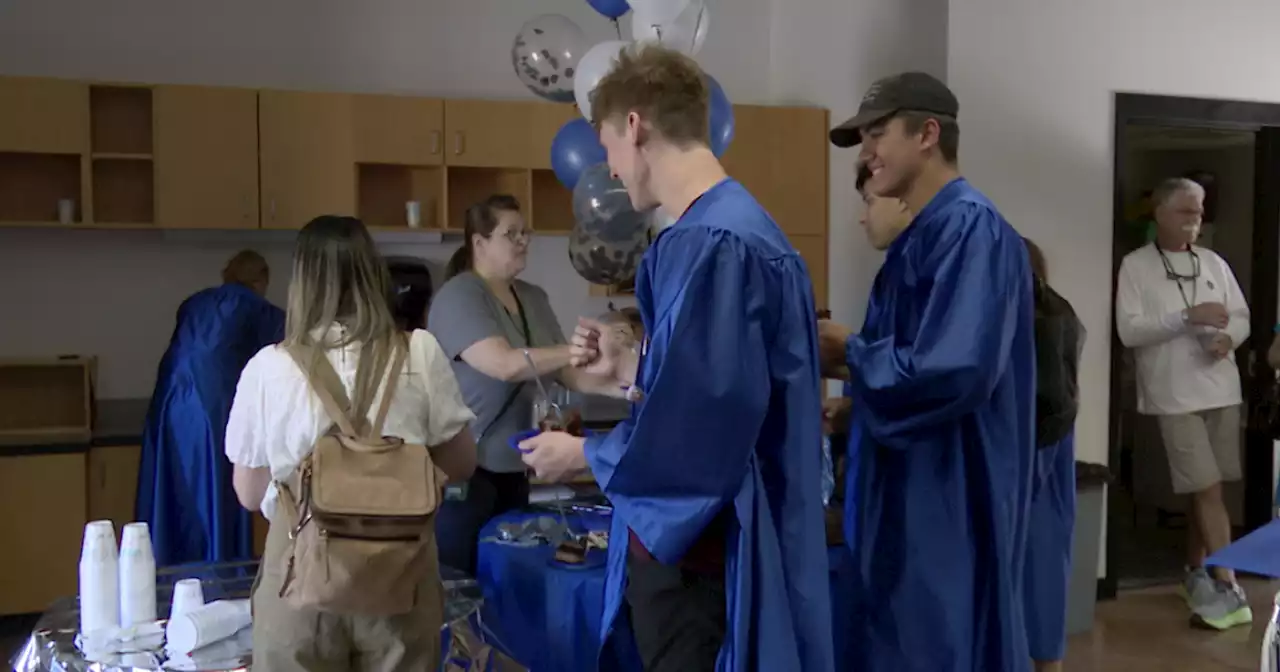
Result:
{"points": [[948, 131], [864, 174], [665, 87]]}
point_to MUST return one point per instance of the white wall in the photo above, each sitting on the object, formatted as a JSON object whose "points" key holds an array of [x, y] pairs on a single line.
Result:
{"points": [[114, 293], [1036, 82]]}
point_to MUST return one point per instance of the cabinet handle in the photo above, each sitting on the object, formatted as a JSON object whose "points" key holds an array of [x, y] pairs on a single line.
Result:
{"points": [[435, 142], [272, 209], [457, 142]]}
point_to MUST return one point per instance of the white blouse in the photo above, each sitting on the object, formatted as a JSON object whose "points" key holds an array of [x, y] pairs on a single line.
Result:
{"points": [[276, 418]]}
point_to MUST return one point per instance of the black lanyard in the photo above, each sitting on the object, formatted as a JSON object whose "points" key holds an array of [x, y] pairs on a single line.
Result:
{"points": [[524, 319], [1178, 278]]}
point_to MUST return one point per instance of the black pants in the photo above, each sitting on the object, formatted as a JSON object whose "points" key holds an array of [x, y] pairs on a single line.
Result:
{"points": [[459, 522], [678, 616]]}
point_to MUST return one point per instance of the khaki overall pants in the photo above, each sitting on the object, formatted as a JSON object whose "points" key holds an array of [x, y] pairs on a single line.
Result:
{"points": [[286, 639]]}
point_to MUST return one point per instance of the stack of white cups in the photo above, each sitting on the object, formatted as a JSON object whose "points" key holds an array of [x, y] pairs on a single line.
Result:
{"points": [[137, 576], [99, 579]]}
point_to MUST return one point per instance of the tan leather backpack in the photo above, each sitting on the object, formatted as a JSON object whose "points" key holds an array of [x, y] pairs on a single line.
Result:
{"points": [[360, 509]]}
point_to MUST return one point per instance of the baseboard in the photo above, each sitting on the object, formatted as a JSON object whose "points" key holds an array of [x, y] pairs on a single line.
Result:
{"points": [[1106, 589]]}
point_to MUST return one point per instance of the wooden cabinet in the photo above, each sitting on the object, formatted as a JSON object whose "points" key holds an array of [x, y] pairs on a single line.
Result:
{"points": [[813, 249], [547, 120], [780, 154], [42, 495], [489, 134], [398, 130], [44, 116], [140, 156], [113, 483], [206, 157], [307, 157]]}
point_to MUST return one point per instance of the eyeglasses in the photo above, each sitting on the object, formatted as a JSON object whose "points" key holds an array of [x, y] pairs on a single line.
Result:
{"points": [[516, 235]]}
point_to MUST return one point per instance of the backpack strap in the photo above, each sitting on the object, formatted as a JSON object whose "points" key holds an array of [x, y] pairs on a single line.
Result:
{"points": [[324, 381], [393, 377]]}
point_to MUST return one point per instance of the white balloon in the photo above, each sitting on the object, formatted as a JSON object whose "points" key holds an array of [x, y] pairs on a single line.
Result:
{"points": [[661, 11], [686, 33], [595, 64]]}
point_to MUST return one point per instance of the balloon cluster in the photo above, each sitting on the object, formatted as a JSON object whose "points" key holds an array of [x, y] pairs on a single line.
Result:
{"points": [[553, 57]]}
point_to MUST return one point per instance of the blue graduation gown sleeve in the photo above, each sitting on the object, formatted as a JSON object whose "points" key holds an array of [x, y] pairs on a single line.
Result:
{"points": [[964, 337], [671, 467]]}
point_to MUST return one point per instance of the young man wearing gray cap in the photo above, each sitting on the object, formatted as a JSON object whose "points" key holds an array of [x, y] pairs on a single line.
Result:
{"points": [[942, 378]]}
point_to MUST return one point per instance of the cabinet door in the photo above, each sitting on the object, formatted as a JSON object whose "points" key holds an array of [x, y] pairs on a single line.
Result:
{"points": [[306, 157], [547, 121], [46, 116], [398, 130], [113, 483], [206, 154], [489, 134], [814, 251], [780, 154], [43, 499]]}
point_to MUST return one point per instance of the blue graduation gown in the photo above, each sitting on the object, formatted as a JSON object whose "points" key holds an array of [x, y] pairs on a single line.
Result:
{"points": [[184, 480], [730, 417], [943, 376], [1052, 520]]}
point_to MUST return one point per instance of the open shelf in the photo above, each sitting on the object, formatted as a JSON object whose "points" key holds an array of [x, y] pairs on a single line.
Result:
{"points": [[120, 118], [123, 191], [384, 190], [45, 401], [551, 210], [468, 186], [32, 184]]}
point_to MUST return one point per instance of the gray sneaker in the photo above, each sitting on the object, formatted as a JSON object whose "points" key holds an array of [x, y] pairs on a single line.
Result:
{"points": [[1227, 609], [1198, 588]]}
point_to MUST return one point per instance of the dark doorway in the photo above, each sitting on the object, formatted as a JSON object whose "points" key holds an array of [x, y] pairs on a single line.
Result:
{"points": [[1235, 148]]}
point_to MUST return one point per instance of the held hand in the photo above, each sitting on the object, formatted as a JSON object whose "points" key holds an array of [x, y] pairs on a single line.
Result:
{"points": [[831, 349], [1220, 346], [554, 456], [1210, 314], [835, 415]]}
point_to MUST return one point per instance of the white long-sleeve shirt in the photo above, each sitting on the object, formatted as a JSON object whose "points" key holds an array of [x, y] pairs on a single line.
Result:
{"points": [[1176, 374]]}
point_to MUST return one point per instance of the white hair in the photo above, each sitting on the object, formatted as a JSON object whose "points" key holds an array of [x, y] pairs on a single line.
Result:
{"points": [[1174, 186]]}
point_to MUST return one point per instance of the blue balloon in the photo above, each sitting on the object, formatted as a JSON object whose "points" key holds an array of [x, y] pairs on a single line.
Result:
{"points": [[611, 9], [575, 148], [721, 118]]}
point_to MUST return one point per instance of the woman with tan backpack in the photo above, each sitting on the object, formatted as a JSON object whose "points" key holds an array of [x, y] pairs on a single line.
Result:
{"points": [[344, 436]]}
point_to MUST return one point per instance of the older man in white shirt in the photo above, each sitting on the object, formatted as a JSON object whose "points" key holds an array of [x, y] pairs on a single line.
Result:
{"points": [[1181, 310]]}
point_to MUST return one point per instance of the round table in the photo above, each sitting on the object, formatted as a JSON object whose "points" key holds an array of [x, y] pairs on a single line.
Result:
{"points": [[547, 614]]}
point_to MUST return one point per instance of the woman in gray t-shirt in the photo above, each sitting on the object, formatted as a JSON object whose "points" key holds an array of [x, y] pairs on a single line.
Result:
{"points": [[486, 319]]}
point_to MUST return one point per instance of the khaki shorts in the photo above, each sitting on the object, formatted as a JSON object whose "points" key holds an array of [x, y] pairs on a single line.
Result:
{"points": [[1203, 448]]}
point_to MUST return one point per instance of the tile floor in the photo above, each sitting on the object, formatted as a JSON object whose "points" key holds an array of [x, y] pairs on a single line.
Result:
{"points": [[1143, 631]]}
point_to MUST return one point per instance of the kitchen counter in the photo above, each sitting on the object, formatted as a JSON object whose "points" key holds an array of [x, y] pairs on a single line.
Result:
{"points": [[119, 422]]}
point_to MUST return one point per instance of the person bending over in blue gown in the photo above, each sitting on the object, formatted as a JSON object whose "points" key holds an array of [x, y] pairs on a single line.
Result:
{"points": [[717, 550], [1059, 341], [943, 381], [184, 480]]}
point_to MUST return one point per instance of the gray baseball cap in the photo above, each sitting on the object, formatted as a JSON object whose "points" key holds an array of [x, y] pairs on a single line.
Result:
{"points": [[906, 92]]}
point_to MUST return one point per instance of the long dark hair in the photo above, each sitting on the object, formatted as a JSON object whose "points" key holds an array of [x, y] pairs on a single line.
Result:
{"points": [[481, 220], [339, 277]]}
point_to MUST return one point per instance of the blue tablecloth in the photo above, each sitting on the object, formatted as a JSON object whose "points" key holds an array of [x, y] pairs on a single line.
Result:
{"points": [[548, 614]]}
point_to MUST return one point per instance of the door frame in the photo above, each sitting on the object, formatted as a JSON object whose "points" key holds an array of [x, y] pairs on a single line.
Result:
{"points": [[1263, 119]]}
